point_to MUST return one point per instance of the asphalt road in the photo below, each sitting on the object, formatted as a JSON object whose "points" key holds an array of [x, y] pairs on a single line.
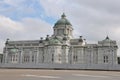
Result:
{"points": [[37, 74]]}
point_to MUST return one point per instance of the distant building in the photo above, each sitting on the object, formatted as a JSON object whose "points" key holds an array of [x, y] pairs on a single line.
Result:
{"points": [[61, 48]]}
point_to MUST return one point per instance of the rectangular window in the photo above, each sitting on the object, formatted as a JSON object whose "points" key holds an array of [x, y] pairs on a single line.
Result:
{"points": [[13, 58], [105, 59], [19, 44], [27, 44], [60, 31], [11, 44], [26, 59], [32, 58], [43, 59], [35, 44], [52, 57], [75, 58]]}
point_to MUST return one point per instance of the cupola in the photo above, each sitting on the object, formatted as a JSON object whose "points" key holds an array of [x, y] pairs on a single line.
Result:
{"points": [[63, 21]]}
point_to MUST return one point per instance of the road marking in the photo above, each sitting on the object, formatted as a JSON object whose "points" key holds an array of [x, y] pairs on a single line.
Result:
{"points": [[83, 75], [41, 76]]}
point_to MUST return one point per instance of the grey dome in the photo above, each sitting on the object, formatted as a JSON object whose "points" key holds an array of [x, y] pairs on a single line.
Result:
{"points": [[63, 21]]}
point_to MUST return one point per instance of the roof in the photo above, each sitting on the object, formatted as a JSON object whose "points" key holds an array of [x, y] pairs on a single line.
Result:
{"points": [[63, 20], [54, 40], [107, 39]]}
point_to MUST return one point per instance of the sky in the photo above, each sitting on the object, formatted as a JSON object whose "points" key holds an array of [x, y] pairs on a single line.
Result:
{"points": [[32, 19]]}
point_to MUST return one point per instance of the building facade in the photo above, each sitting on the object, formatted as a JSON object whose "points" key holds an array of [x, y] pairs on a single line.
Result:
{"points": [[60, 48]]}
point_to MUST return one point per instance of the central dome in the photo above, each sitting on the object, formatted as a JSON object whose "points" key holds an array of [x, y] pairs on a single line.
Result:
{"points": [[63, 21]]}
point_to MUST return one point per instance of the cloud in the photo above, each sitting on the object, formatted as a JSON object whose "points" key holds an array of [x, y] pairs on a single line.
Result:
{"points": [[9, 27], [91, 18], [10, 4], [20, 9], [26, 29], [7, 23], [36, 27], [53, 8], [13, 2]]}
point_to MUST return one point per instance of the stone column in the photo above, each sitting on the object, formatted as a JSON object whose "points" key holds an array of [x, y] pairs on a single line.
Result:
{"points": [[21, 56], [30, 54], [37, 56], [6, 56], [65, 51]]}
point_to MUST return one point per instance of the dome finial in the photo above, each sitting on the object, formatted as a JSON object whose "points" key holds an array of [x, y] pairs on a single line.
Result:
{"points": [[63, 15]]}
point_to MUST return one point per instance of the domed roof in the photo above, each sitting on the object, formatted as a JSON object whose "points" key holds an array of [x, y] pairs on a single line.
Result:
{"points": [[65, 38], [54, 40], [14, 50], [81, 40], [63, 20]]}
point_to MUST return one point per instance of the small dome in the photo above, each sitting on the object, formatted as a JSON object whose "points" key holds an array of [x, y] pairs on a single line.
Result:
{"points": [[47, 38], [63, 20], [80, 40], [65, 38], [14, 50], [54, 41]]}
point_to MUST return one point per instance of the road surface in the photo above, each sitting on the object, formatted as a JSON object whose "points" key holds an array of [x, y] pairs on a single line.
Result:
{"points": [[38, 74]]}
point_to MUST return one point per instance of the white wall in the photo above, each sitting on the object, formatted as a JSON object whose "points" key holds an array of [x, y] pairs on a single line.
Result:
{"points": [[63, 66]]}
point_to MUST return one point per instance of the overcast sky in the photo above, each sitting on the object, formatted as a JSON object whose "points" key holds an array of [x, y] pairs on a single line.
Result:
{"points": [[32, 19]]}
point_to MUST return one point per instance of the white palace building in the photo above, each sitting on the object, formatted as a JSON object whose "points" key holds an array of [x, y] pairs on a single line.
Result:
{"points": [[61, 50]]}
